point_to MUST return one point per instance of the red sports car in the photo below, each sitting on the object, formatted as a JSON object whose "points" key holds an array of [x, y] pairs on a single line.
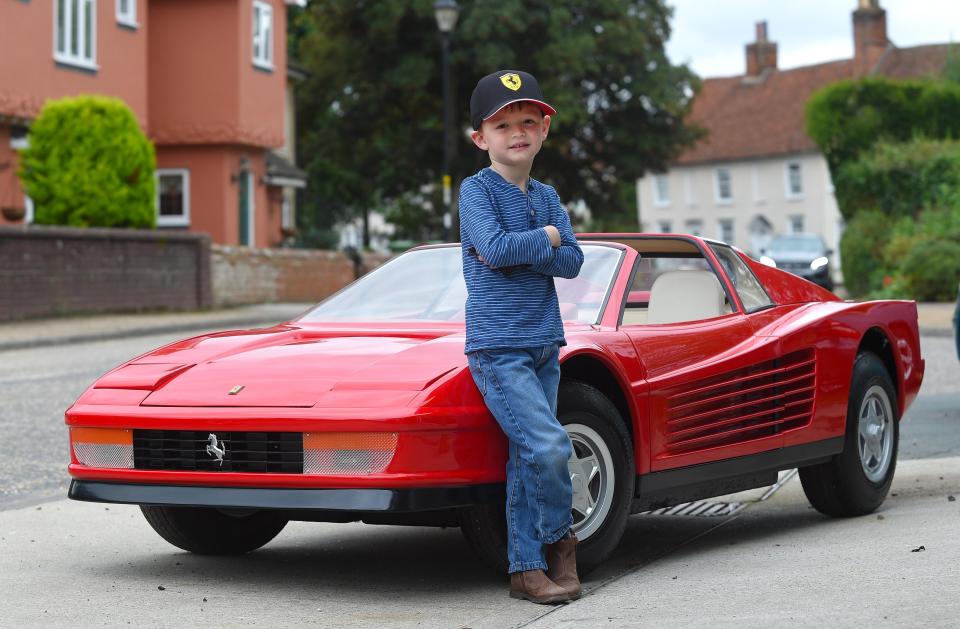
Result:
{"points": [[690, 371]]}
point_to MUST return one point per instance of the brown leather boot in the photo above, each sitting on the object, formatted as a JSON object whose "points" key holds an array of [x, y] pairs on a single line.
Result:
{"points": [[535, 586], [561, 559]]}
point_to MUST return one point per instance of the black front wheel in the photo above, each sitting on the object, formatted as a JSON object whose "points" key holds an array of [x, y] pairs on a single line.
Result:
{"points": [[214, 532], [856, 481], [601, 471]]}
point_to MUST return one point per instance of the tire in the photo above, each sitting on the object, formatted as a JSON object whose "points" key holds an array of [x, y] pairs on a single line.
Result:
{"points": [[856, 481], [600, 440], [211, 531]]}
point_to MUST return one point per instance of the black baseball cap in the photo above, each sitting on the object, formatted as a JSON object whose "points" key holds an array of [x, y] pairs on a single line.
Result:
{"points": [[495, 91]]}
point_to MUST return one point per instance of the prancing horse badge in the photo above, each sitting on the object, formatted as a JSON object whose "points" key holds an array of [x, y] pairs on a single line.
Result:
{"points": [[511, 81], [216, 449]]}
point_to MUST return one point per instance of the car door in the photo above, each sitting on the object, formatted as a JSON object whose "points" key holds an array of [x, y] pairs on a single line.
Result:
{"points": [[710, 393]]}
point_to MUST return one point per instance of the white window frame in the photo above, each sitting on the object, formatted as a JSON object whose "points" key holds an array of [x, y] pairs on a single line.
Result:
{"points": [[661, 185], [690, 223], [28, 206], [71, 9], [718, 189], [791, 224], [262, 36], [757, 189], [789, 192], [720, 235], [688, 190], [174, 221], [128, 17]]}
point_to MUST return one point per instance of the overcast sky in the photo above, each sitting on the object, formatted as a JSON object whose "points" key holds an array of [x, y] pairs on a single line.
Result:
{"points": [[711, 35]]}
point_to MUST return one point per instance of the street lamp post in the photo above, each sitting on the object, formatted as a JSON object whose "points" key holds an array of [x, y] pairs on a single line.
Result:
{"points": [[446, 12]]}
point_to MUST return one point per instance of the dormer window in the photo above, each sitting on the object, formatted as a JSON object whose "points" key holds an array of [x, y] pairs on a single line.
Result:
{"points": [[262, 35]]}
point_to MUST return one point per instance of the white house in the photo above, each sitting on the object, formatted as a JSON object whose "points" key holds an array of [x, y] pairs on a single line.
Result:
{"points": [[756, 172]]}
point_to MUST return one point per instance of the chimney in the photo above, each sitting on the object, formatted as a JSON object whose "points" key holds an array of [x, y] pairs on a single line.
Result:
{"points": [[869, 33], [761, 54]]}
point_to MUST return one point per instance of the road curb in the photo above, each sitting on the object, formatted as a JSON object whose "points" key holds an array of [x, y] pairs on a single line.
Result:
{"points": [[939, 332]]}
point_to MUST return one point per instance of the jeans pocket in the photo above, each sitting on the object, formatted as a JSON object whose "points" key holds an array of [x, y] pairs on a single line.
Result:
{"points": [[476, 370]]}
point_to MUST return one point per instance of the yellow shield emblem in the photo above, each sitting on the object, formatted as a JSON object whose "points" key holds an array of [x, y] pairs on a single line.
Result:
{"points": [[511, 81]]}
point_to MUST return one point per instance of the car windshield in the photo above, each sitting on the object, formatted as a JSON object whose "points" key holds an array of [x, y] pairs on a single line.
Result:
{"points": [[427, 285], [796, 244]]}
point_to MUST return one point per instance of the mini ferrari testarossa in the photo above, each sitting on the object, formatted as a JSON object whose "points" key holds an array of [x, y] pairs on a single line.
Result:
{"points": [[690, 371]]}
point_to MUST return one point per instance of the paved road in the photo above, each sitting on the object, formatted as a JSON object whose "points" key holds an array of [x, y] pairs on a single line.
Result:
{"points": [[36, 387]]}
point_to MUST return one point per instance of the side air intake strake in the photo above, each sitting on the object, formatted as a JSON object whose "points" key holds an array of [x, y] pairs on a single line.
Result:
{"points": [[744, 404]]}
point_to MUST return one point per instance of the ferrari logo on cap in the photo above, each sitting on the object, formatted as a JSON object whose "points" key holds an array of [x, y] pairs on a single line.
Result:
{"points": [[511, 81]]}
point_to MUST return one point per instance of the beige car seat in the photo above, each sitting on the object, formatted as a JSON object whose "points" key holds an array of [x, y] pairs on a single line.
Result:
{"points": [[678, 296]]}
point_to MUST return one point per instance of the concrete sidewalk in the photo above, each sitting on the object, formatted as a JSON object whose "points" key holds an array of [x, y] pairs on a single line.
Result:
{"points": [[62, 330], [777, 563], [935, 320]]}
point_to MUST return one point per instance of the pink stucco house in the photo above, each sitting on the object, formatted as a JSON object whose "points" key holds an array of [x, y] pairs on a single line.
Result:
{"points": [[207, 80]]}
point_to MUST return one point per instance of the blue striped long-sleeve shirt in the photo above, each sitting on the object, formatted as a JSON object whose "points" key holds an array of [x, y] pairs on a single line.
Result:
{"points": [[513, 307]]}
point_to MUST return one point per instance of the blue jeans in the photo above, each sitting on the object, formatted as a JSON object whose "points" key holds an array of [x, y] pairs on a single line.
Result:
{"points": [[519, 387]]}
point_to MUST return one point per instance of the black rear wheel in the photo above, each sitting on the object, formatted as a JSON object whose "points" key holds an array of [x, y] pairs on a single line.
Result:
{"points": [[211, 531], [601, 470], [856, 481]]}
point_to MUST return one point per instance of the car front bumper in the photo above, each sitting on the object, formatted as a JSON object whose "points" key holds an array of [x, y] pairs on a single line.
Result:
{"points": [[324, 500]]}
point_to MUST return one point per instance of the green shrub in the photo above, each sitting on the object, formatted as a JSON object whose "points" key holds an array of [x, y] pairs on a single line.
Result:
{"points": [[931, 270], [861, 251], [89, 165], [918, 260], [900, 178]]}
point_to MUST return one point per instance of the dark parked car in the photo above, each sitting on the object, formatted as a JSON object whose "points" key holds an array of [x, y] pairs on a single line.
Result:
{"points": [[805, 255]]}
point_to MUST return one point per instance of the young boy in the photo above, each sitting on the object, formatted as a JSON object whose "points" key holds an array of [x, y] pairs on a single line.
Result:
{"points": [[516, 238]]}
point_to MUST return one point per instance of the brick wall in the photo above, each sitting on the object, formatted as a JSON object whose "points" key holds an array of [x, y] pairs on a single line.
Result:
{"points": [[50, 271], [240, 275], [47, 271]]}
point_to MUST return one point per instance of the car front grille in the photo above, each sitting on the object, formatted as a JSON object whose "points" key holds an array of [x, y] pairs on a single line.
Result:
{"points": [[197, 451]]}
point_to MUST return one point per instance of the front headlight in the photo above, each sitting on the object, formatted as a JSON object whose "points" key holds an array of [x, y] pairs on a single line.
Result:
{"points": [[819, 263], [768, 261]]}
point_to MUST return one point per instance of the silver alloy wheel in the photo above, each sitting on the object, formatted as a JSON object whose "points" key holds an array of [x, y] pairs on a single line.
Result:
{"points": [[591, 472], [875, 433]]}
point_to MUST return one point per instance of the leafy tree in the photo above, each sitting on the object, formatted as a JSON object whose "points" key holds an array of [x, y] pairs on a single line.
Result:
{"points": [[89, 165], [371, 111]]}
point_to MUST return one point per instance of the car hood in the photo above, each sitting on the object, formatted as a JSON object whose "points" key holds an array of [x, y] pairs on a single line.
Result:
{"points": [[291, 367]]}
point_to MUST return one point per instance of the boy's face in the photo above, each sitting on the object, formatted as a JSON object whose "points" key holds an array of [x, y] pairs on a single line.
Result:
{"points": [[513, 136]]}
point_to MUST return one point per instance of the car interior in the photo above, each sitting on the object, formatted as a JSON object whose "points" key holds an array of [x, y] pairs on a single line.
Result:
{"points": [[672, 283]]}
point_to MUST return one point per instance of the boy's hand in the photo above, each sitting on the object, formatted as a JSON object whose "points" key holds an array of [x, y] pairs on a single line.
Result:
{"points": [[554, 234]]}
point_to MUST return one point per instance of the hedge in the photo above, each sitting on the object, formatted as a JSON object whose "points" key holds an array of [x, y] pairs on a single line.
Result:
{"points": [[848, 117]]}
